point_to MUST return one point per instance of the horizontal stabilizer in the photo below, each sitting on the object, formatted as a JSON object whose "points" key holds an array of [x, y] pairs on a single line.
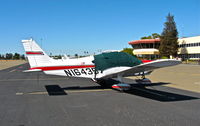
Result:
{"points": [[33, 70]]}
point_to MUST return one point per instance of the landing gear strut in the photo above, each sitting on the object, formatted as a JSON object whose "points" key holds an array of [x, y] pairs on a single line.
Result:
{"points": [[143, 75], [143, 79]]}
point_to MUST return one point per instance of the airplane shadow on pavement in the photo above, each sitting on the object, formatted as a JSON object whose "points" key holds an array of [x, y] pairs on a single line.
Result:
{"points": [[159, 95], [54, 90], [142, 91]]}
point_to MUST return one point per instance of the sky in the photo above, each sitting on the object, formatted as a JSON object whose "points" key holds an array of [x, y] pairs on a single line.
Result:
{"points": [[75, 26]]}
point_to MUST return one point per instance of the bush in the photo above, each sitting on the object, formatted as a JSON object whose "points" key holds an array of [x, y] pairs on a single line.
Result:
{"points": [[164, 57]]}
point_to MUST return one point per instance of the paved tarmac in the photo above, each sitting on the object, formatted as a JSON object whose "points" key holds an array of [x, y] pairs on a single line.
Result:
{"points": [[35, 99], [183, 76]]}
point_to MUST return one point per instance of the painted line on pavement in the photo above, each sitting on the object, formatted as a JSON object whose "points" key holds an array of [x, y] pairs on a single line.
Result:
{"points": [[35, 79], [12, 71], [80, 91], [66, 91], [19, 93]]}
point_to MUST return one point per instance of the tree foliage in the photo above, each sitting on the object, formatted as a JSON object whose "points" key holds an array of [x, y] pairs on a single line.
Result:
{"points": [[9, 56], [155, 35], [152, 36], [146, 37], [22, 57], [76, 55], [128, 50], [169, 38], [16, 56]]}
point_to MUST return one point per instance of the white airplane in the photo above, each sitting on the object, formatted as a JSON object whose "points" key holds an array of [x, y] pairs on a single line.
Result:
{"points": [[98, 67]]}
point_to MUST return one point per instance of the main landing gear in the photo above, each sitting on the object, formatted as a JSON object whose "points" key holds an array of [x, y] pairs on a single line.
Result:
{"points": [[121, 85], [143, 80]]}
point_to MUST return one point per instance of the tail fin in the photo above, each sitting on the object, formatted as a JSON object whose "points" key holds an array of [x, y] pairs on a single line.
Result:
{"points": [[36, 56]]}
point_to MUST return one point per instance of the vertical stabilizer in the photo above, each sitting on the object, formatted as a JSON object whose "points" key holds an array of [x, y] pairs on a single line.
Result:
{"points": [[36, 56]]}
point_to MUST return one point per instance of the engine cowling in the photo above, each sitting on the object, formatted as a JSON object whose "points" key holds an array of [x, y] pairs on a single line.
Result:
{"points": [[121, 87]]}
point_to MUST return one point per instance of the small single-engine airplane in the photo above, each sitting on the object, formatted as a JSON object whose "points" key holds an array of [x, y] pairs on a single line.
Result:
{"points": [[98, 67]]}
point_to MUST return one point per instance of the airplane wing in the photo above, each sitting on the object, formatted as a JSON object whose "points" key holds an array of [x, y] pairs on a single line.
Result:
{"points": [[143, 67]]}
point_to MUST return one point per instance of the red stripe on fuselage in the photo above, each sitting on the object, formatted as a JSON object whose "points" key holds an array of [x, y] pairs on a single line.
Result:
{"points": [[35, 53], [62, 67]]}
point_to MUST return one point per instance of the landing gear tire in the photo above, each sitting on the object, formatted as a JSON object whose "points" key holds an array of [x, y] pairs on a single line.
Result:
{"points": [[143, 81]]}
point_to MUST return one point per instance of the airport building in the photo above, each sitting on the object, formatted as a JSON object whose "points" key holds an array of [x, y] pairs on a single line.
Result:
{"points": [[146, 48], [189, 48]]}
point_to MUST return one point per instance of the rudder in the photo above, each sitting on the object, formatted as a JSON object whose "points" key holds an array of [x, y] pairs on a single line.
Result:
{"points": [[36, 56]]}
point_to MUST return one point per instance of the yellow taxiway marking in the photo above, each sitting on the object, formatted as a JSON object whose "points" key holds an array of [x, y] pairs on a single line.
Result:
{"points": [[66, 91], [35, 79]]}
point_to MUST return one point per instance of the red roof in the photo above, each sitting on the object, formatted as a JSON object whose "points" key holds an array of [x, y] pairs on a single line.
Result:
{"points": [[144, 41]]}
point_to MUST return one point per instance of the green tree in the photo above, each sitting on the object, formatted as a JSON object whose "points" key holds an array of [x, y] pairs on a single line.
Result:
{"points": [[128, 50], [146, 37], [155, 35], [169, 37], [9, 55], [2, 56], [59, 57], [152, 36], [16, 56], [76, 55], [22, 57]]}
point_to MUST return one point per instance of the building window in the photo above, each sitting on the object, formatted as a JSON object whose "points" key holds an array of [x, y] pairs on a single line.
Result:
{"points": [[189, 45]]}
